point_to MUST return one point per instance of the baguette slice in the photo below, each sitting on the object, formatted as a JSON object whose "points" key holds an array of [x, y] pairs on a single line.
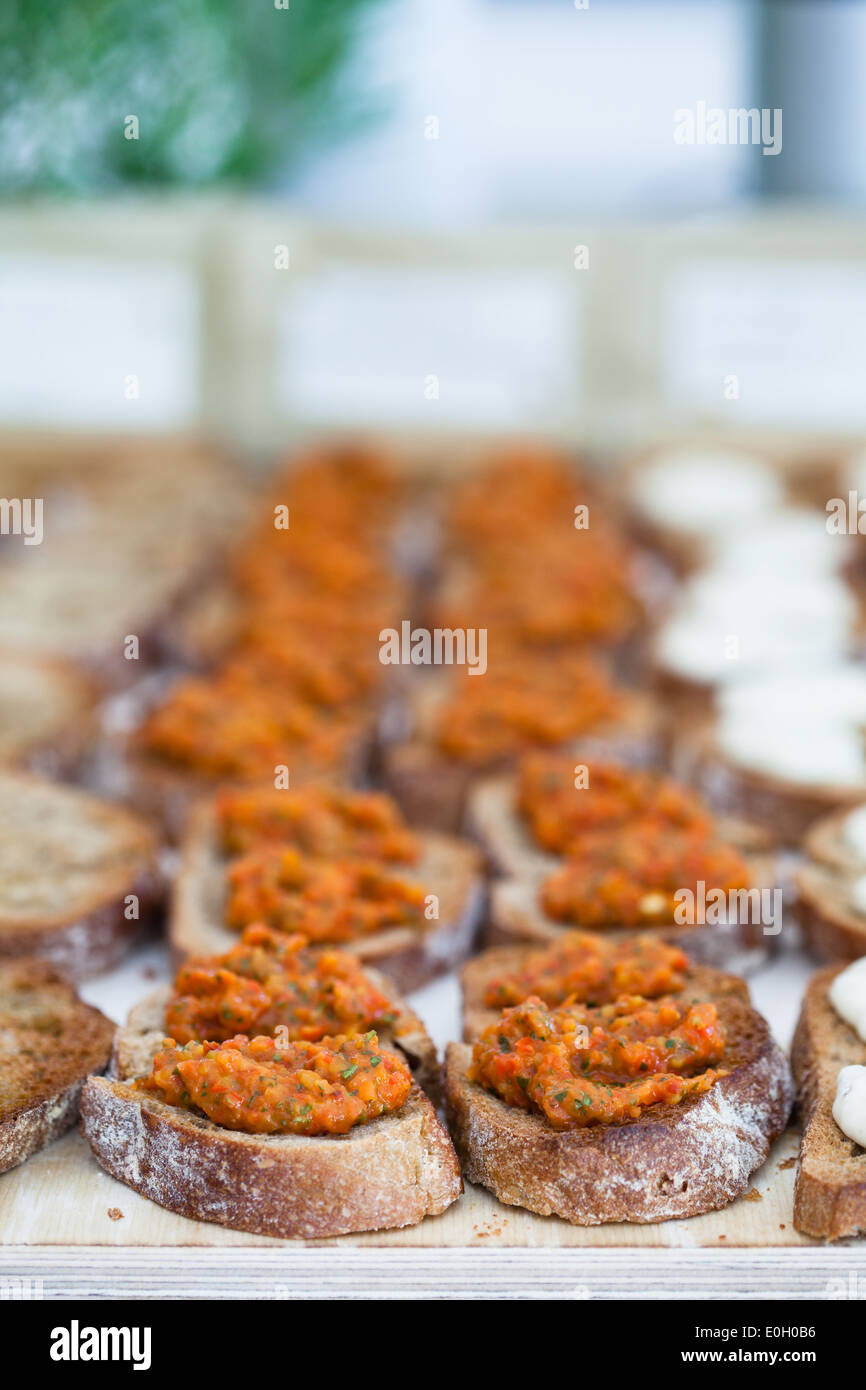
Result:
{"points": [[68, 863], [432, 789], [516, 915], [832, 925], [49, 1042], [702, 982], [138, 1041], [392, 1172], [449, 868], [830, 1188], [672, 1161], [46, 714], [492, 820]]}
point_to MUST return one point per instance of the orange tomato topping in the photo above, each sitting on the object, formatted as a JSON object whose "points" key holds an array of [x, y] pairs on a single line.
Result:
{"points": [[520, 703], [630, 877], [589, 969], [558, 813], [262, 1087], [332, 824], [232, 726], [578, 1065], [324, 900], [270, 981]]}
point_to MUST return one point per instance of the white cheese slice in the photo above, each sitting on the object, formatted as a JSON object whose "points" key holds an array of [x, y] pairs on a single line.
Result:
{"points": [[849, 1107], [847, 993]]}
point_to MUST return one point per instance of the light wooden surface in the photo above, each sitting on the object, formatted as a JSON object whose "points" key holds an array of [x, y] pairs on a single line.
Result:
{"points": [[62, 1197]]}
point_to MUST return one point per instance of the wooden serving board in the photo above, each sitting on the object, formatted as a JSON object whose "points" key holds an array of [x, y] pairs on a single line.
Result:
{"points": [[65, 1222]]}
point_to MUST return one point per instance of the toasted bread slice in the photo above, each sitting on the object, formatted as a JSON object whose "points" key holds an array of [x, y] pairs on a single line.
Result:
{"points": [[392, 1172], [833, 926], [47, 714], [702, 982], [828, 842], [432, 788], [138, 1041], [830, 1188], [49, 1042], [516, 915], [78, 876], [785, 807], [448, 868], [673, 1161], [492, 820]]}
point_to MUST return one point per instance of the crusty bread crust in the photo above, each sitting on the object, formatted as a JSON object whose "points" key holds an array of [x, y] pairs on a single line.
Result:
{"points": [[138, 1041], [833, 929], [449, 868], [830, 1188], [673, 1161], [515, 915], [392, 1172], [82, 928], [702, 981], [77, 1042]]}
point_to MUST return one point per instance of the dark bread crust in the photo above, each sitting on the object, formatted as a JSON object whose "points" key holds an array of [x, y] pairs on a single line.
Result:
{"points": [[78, 1042], [830, 1187], [449, 868], [702, 981], [673, 1161], [390, 1173], [832, 927]]}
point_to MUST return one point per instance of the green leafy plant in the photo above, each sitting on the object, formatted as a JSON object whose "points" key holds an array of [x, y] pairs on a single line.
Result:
{"points": [[221, 90]]}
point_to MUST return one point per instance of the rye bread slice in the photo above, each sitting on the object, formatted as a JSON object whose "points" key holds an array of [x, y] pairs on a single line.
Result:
{"points": [[825, 841], [672, 1161], [49, 1042], [47, 714], [785, 807], [432, 789], [449, 868], [830, 1187], [832, 926], [69, 863], [389, 1173], [701, 982], [515, 914], [138, 1041], [492, 820]]}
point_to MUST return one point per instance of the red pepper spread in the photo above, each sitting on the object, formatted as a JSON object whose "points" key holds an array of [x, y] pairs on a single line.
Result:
{"points": [[558, 813], [270, 981], [324, 900], [577, 1065], [523, 702], [628, 877], [588, 969], [329, 823], [262, 1087]]}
